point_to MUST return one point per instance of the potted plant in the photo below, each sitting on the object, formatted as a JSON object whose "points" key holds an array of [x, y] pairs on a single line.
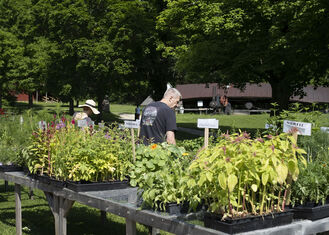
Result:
{"points": [[159, 172], [244, 181], [84, 159]]}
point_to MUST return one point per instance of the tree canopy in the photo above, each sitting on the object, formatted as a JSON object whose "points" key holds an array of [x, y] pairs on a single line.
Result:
{"points": [[281, 42], [128, 49]]}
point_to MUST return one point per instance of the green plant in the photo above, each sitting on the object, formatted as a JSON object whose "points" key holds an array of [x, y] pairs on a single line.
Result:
{"points": [[241, 176], [159, 171], [65, 152], [312, 184], [316, 146], [15, 132], [296, 113]]}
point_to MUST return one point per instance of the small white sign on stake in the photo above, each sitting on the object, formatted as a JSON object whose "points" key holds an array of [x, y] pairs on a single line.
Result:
{"points": [[132, 124], [325, 129], [303, 128], [200, 103], [42, 125], [208, 123]]}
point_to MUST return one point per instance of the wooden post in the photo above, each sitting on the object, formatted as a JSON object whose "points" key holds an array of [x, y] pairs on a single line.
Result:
{"points": [[6, 185], [130, 227], [206, 137], [133, 143], [103, 217], [59, 207], [18, 209], [31, 193]]}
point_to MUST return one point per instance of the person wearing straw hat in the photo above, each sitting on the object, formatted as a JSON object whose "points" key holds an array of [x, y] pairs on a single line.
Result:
{"points": [[89, 108]]}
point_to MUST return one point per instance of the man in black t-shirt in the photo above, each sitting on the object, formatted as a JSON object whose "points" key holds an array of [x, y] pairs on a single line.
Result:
{"points": [[158, 122]]}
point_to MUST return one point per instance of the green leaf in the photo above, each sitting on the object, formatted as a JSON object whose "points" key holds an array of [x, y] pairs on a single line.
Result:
{"points": [[222, 180], [209, 176], [265, 177], [231, 182], [202, 180], [254, 187]]}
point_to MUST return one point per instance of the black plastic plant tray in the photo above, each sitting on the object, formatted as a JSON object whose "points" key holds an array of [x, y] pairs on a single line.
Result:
{"points": [[83, 186], [49, 180], [10, 168], [311, 213], [246, 224]]}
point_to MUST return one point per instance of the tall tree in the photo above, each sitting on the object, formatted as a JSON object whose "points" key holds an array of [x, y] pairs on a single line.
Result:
{"points": [[281, 42]]}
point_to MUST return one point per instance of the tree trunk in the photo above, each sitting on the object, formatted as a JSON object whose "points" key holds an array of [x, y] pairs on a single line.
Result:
{"points": [[71, 108], [30, 100], [281, 93]]}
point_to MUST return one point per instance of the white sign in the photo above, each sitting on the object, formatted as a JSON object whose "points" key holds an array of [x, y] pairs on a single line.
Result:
{"points": [[303, 128], [132, 124], [82, 123], [42, 125], [200, 103], [208, 123], [270, 126], [325, 129]]}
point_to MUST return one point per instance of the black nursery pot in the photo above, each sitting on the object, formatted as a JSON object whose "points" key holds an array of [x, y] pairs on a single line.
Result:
{"points": [[49, 180], [311, 211], [10, 168], [85, 186], [246, 224]]}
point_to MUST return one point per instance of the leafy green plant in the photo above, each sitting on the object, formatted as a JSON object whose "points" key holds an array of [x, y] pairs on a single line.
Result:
{"points": [[312, 185], [297, 112], [15, 131], [159, 171], [316, 146], [65, 152], [241, 176]]}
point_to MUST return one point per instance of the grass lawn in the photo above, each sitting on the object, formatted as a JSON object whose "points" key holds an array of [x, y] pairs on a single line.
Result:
{"points": [[37, 218]]}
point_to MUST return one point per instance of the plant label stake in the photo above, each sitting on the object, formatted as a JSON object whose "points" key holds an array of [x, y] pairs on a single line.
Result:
{"points": [[325, 129], [302, 128], [42, 125], [133, 125], [206, 124]]}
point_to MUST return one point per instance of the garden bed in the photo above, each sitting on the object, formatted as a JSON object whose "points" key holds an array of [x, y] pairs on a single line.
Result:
{"points": [[246, 224]]}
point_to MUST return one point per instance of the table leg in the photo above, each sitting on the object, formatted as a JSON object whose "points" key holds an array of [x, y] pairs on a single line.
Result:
{"points": [[18, 210]]}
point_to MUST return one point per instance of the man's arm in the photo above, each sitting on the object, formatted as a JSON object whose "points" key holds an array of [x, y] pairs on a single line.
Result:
{"points": [[171, 137]]}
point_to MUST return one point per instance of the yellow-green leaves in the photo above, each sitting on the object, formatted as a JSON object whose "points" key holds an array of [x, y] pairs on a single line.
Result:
{"points": [[282, 171], [222, 180], [265, 177], [231, 182]]}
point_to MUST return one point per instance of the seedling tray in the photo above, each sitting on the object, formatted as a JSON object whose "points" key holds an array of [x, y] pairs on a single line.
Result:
{"points": [[246, 224], [84, 186], [49, 180], [311, 213], [10, 168]]}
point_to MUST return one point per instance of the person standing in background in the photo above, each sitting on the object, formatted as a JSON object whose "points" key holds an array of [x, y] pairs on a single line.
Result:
{"points": [[158, 123]]}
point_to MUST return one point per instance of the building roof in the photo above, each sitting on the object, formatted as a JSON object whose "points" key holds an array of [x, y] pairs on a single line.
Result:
{"points": [[252, 91]]}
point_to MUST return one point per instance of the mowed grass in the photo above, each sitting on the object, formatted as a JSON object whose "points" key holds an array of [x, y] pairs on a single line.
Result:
{"points": [[37, 218]]}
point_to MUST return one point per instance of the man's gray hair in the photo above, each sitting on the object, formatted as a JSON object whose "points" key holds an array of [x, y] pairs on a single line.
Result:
{"points": [[172, 92]]}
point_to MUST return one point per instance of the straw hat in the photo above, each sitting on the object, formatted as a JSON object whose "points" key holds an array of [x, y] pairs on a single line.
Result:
{"points": [[90, 104]]}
